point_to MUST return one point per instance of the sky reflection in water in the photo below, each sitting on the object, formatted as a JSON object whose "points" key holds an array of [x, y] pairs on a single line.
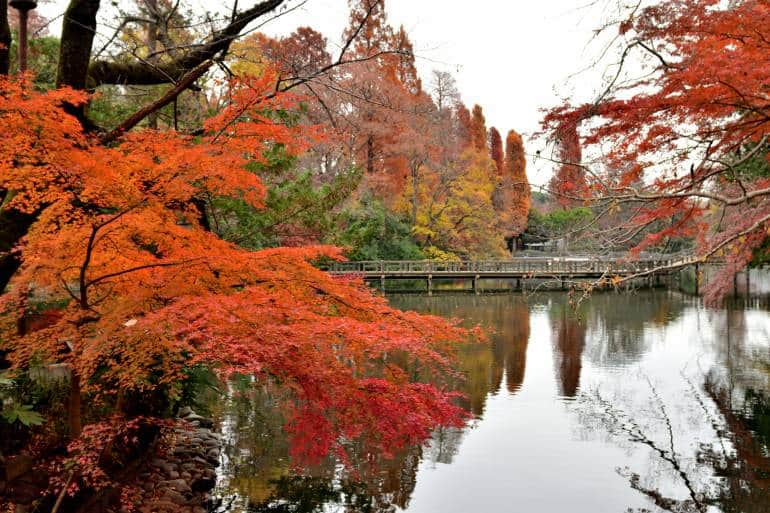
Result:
{"points": [[645, 402]]}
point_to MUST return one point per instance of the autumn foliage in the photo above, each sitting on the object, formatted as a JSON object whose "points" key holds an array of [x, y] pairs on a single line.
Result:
{"points": [[686, 142], [568, 184], [150, 292], [496, 150], [514, 183]]}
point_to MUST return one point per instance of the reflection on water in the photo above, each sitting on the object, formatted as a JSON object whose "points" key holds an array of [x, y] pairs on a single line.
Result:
{"points": [[569, 340], [636, 403]]}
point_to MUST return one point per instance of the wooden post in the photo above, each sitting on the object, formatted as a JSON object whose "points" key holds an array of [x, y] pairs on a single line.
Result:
{"points": [[382, 283], [697, 279], [748, 282], [476, 284], [735, 284], [430, 285]]}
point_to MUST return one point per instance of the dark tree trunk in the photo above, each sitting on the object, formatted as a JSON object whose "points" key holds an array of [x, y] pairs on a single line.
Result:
{"points": [[13, 226], [74, 419], [370, 154], [5, 40], [415, 183], [77, 37], [203, 218]]}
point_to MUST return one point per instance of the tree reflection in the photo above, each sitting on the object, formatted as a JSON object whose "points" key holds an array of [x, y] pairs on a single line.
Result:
{"points": [[509, 345], [708, 447], [745, 470], [260, 476], [620, 321], [569, 340], [444, 445], [508, 318]]}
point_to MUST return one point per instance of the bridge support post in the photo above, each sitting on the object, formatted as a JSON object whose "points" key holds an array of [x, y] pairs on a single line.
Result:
{"points": [[748, 282], [563, 283], [697, 279], [382, 283], [518, 284], [476, 284], [430, 285]]}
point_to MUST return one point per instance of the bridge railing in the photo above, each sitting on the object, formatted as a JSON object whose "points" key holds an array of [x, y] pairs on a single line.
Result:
{"points": [[514, 266]]}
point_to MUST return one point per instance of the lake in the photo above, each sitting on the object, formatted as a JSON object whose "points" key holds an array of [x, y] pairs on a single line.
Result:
{"points": [[639, 402]]}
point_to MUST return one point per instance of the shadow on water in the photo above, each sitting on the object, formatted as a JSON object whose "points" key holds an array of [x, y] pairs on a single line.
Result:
{"points": [[644, 402]]}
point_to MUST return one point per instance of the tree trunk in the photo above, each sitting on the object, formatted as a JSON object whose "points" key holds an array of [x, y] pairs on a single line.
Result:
{"points": [[13, 226], [415, 171], [143, 73], [73, 408], [370, 154], [77, 37], [5, 41], [152, 47]]}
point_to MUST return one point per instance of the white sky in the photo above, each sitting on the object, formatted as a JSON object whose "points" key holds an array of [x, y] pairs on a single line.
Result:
{"points": [[514, 57]]}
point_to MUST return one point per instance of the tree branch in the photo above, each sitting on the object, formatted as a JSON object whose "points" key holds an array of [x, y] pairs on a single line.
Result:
{"points": [[138, 73], [133, 120]]}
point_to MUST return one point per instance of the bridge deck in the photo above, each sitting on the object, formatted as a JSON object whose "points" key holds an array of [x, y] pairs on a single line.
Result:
{"points": [[514, 268]]}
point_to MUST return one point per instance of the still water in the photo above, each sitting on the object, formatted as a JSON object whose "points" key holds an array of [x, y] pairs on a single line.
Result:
{"points": [[642, 402]]}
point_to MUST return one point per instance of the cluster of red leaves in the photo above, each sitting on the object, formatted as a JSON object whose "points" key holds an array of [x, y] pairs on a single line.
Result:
{"points": [[99, 446], [152, 291], [672, 138]]}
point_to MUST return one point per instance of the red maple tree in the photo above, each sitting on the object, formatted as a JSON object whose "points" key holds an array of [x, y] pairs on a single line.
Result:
{"points": [[150, 291], [686, 143]]}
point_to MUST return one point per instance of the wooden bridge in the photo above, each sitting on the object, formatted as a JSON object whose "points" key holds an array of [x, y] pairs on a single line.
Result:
{"points": [[557, 268]]}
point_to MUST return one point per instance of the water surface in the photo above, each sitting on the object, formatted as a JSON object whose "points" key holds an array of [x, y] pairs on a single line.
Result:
{"points": [[642, 402]]}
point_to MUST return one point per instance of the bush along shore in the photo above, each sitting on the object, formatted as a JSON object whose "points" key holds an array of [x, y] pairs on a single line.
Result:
{"points": [[175, 473]]}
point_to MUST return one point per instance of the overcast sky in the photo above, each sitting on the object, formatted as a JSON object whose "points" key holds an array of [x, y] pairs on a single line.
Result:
{"points": [[512, 57]]}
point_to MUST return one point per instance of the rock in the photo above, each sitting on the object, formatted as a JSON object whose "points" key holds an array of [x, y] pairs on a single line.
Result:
{"points": [[167, 467], [175, 497], [203, 484], [180, 485], [213, 453], [17, 466], [198, 509], [184, 412], [202, 421], [163, 506], [182, 452], [173, 474]]}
